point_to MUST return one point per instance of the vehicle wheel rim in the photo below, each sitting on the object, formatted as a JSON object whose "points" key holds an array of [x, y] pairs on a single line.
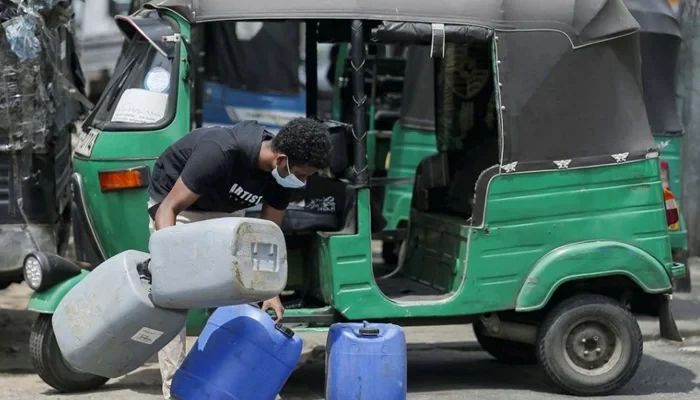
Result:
{"points": [[592, 347]]}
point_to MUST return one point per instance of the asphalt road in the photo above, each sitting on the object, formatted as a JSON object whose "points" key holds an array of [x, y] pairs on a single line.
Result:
{"points": [[667, 372]]}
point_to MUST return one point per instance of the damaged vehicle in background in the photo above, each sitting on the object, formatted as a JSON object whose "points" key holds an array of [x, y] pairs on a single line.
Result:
{"points": [[40, 81]]}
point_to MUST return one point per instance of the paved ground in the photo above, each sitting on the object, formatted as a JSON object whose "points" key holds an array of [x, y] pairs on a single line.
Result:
{"points": [[444, 363]]}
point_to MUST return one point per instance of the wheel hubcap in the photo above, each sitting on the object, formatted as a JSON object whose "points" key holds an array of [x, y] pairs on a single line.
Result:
{"points": [[592, 348]]}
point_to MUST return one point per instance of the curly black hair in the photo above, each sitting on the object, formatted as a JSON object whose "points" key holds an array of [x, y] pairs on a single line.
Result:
{"points": [[305, 141]]}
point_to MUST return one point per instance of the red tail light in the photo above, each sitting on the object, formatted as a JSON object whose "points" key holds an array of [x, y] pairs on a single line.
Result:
{"points": [[672, 214], [665, 174]]}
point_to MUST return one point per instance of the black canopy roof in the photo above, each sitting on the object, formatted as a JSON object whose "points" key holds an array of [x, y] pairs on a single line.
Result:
{"points": [[569, 90], [582, 21]]}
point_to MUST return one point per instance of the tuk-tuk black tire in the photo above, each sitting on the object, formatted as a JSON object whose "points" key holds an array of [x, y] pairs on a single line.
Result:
{"points": [[569, 312], [505, 351], [49, 363]]}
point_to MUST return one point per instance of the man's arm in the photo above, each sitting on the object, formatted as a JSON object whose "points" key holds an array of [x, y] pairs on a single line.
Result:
{"points": [[278, 198], [272, 214], [179, 198], [203, 169]]}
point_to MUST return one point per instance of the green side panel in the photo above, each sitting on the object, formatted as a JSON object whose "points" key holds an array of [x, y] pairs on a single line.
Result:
{"points": [[47, 301], [529, 215], [408, 147], [120, 217], [591, 259], [670, 150]]}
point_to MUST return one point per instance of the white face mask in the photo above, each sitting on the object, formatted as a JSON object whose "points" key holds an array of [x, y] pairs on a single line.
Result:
{"points": [[290, 181]]}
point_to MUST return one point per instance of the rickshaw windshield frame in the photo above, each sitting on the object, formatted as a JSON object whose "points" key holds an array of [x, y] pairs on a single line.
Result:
{"points": [[138, 48]]}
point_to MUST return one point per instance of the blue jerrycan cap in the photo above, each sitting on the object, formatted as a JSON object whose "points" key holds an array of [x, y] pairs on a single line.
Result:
{"points": [[368, 330]]}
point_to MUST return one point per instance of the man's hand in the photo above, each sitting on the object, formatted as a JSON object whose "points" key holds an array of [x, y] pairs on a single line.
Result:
{"points": [[275, 304]]}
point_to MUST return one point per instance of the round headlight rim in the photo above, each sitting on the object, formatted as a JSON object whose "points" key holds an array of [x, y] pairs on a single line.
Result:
{"points": [[40, 268]]}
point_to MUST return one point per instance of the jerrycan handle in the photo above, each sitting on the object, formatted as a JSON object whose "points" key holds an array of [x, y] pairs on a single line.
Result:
{"points": [[144, 271], [285, 331], [367, 330]]}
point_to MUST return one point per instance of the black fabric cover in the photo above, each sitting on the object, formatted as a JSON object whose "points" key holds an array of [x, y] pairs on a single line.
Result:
{"points": [[584, 105], [422, 33], [659, 59], [655, 16], [418, 99], [267, 63]]}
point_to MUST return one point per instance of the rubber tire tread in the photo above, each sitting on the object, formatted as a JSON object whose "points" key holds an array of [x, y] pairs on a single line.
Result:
{"points": [[49, 364], [588, 300]]}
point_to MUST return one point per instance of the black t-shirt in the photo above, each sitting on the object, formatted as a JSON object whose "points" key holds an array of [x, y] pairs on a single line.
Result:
{"points": [[219, 164]]}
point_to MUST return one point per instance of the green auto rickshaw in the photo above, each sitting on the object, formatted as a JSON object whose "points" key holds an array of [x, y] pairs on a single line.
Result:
{"points": [[540, 218], [660, 41]]}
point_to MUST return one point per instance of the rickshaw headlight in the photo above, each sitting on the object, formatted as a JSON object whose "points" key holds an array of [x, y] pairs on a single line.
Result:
{"points": [[44, 270], [33, 273]]}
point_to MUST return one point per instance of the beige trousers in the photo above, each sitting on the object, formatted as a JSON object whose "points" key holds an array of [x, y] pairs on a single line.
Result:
{"points": [[173, 354]]}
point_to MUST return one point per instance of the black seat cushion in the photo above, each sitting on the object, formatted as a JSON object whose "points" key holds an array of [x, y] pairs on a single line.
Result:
{"points": [[323, 207]]}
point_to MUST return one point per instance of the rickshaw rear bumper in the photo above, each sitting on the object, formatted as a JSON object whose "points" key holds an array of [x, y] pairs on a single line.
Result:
{"points": [[668, 328]]}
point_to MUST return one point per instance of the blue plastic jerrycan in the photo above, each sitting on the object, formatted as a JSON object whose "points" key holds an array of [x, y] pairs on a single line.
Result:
{"points": [[366, 362], [240, 355]]}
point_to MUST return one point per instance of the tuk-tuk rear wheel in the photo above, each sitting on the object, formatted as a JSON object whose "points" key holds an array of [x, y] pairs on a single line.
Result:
{"points": [[590, 345], [51, 366], [505, 351]]}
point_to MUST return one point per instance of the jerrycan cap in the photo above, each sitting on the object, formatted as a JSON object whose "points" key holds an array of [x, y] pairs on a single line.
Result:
{"points": [[368, 330], [285, 331]]}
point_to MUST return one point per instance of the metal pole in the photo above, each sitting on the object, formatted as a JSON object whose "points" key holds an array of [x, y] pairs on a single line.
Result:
{"points": [[359, 97], [310, 64]]}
